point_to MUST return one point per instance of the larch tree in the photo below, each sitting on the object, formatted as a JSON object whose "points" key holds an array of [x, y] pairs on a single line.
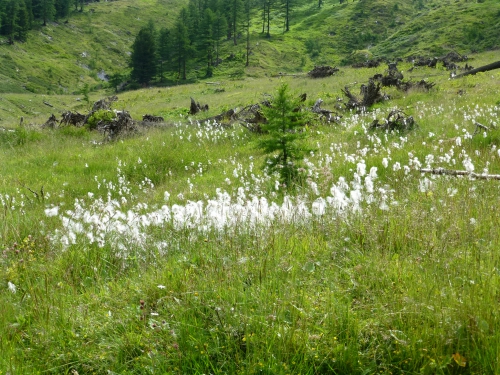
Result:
{"points": [[164, 50], [181, 44], [142, 61], [284, 135]]}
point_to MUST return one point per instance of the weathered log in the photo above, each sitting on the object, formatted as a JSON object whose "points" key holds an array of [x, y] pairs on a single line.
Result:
{"points": [[481, 69], [452, 172], [322, 71], [151, 118]]}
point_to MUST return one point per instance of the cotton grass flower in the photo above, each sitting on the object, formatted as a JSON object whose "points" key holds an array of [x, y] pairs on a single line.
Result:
{"points": [[12, 288]]}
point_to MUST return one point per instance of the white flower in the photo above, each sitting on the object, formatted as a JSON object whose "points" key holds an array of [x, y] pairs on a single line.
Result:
{"points": [[385, 162], [50, 212], [361, 168], [469, 167], [161, 286], [12, 287]]}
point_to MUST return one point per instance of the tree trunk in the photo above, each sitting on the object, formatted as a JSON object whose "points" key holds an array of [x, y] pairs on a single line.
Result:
{"points": [[268, 14], [484, 68], [287, 15]]}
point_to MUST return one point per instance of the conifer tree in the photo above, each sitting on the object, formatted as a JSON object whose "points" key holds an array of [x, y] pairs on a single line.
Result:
{"points": [[62, 8], [219, 29], [44, 9], [284, 135], [23, 23], [143, 61], [207, 39], [8, 18], [235, 10], [164, 50], [182, 44], [287, 5]]}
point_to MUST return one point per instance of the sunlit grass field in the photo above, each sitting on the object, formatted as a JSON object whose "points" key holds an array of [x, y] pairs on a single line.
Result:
{"points": [[173, 252]]}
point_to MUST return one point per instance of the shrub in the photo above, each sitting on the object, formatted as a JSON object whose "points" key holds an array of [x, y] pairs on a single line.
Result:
{"points": [[100, 115]]}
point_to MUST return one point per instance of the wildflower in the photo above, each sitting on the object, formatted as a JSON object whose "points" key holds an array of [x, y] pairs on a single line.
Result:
{"points": [[161, 286], [12, 287], [50, 212]]}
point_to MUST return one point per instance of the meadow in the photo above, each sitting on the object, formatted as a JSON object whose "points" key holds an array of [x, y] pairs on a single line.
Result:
{"points": [[173, 251]]}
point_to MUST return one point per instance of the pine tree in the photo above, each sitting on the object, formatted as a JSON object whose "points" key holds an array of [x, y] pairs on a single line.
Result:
{"points": [[62, 8], [220, 29], [9, 17], [269, 3], [235, 9], [248, 10], [164, 50], [287, 5], [23, 23], [143, 61], [44, 9], [285, 134], [207, 40], [182, 44]]}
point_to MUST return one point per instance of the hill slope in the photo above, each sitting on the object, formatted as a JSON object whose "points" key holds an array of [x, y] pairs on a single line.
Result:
{"points": [[62, 57]]}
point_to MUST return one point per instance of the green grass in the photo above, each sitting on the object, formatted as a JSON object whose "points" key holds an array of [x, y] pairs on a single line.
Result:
{"points": [[408, 290]]}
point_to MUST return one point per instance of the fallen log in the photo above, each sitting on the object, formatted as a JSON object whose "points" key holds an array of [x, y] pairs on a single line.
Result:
{"points": [[151, 118], [322, 71], [481, 69], [452, 172]]}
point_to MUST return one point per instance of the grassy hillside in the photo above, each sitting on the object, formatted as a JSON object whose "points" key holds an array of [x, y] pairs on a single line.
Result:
{"points": [[173, 252], [62, 57]]}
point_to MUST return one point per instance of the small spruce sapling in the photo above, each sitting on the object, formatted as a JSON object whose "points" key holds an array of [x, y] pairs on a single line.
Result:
{"points": [[284, 135]]}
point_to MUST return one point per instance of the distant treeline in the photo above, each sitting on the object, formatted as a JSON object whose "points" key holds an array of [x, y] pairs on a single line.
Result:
{"points": [[195, 38], [17, 17]]}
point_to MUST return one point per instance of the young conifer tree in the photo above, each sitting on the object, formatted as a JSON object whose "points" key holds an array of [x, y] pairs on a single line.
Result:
{"points": [[285, 133]]}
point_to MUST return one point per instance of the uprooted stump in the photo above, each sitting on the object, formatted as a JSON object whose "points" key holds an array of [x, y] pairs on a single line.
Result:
{"points": [[322, 71], [197, 107], [371, 95], [324, 114], [104, 104], [367, 64], [222, 118], [392, 76], [122, 124], [51, 123], [396, 120], [75, 119], [421, 85]]}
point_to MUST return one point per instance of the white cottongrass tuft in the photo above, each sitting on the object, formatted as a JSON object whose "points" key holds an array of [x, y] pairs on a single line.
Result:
{"points": [[12, 287]]}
